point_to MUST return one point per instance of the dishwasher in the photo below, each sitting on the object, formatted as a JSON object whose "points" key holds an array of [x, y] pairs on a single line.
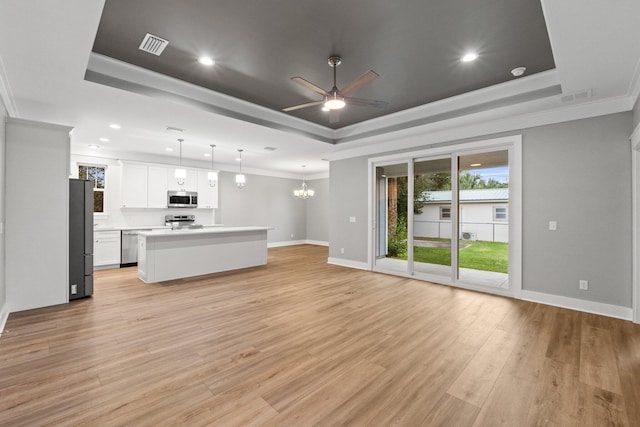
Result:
{"points": [[129, 247]]}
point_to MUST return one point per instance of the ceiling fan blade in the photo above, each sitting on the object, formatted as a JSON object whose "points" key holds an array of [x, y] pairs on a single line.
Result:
{"points": [[366, 102], [310, 85], [334, 116], [308, 104], [367, 77]]}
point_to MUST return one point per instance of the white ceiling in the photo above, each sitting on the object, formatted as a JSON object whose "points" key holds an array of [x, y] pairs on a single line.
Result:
{"points": [[45, 50]]}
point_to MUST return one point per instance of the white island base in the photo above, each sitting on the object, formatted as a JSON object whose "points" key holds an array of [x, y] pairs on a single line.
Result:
{"points": [[176, 254]]}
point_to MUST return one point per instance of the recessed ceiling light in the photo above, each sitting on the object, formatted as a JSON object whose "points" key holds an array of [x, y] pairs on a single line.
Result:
{"points": [[206, 60], [517, 72], [168, 149], [270, 148], [474, 165], [93, 146], [468, 57], [114, 126], [104, 139]]}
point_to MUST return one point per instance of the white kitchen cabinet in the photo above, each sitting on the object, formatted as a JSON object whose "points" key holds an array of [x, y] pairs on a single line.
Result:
{"points": [[134, 186], [157, 187], [190, 183], [106, 247], [207, 195]]}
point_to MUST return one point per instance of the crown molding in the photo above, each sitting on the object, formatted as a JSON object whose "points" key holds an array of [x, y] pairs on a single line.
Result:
{"points": [[5, 92]]}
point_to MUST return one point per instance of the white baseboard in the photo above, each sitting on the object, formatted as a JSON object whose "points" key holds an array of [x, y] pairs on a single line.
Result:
{"points": [[4, 315], [348, 263], [287, 243], [297, 242], [316, 242], [603, 309]]}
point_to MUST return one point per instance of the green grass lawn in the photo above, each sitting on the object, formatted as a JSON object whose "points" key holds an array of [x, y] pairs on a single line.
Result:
{"points": [[486, 256]]}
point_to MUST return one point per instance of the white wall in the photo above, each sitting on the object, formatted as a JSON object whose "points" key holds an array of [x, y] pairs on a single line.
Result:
{"points": [[4, 309], [37, 214]]}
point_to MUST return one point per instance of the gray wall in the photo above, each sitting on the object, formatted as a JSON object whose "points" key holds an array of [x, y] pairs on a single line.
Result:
{"points": [[318, 211], [265, 201], [349, 189], [577, 173], [636, 113]]}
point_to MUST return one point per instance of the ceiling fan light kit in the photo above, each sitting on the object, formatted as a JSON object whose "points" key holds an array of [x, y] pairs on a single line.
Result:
{"points": [[336, 99]]}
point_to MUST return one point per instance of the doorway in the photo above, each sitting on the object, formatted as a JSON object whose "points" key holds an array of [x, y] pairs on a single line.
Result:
{"points": [[450, 216]]}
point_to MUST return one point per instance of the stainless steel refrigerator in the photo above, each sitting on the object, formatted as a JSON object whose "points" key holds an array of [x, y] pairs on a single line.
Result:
{"points": [[80, 238]]}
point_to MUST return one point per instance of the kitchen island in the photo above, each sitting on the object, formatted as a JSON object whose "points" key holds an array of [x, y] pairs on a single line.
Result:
{"points": [[175, 254]]}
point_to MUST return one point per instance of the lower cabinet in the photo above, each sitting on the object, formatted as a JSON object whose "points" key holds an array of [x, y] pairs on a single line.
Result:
{"points": [[106, 248]]}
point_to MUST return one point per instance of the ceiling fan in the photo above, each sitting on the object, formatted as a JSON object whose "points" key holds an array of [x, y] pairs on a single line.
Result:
{"points": [[335, 99]]}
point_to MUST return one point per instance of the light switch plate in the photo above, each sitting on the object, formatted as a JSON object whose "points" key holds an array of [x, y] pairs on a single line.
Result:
{"points": [[553, 225], [352, 219]]}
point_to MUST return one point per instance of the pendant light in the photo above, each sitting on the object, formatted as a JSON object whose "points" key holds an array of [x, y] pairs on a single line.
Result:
{"points": [[212, 175], [180, 173], [240, 178], [303, 192]]}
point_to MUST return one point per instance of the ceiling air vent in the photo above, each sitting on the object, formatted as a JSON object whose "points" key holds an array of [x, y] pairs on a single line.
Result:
{"points": [[576, 96], [153, 44], [270, 148]]}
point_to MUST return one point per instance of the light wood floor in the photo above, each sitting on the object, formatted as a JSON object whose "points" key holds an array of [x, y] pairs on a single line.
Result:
{"points": [[299, 342]]}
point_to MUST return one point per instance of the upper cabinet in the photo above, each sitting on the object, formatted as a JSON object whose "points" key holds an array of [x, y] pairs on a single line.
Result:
{"points": [[157, 189], [146, 186], [207, 195], [134, 186]]}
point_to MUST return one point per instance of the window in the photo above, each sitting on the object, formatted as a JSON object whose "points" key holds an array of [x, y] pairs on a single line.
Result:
{"points": [[96, 175], [500, 213], [445, 212]]}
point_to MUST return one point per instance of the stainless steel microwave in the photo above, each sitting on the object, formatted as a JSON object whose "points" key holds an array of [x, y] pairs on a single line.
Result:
{"points": [[182, 199]]}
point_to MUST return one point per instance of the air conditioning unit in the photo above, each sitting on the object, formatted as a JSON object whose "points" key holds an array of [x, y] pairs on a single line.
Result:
{"points": [[469, 235]]}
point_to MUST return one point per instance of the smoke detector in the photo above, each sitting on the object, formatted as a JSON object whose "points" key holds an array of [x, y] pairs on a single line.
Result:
{"points": [[153, 44]]}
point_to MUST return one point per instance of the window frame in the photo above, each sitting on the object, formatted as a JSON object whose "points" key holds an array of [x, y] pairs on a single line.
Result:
{"points": [[506, 213], [442, 210], [95, 188]]}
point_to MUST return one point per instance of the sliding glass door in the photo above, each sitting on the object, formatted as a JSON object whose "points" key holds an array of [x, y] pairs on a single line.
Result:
{"points": [[445, 218]]}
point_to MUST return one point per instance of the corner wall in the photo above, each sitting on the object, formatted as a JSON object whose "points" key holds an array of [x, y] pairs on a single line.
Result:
{"points": [[4, 309], [318, 212], [577, 173]]}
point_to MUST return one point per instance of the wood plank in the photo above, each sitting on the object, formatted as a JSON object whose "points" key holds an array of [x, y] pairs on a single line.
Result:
{"points": [[602, 408], [509, 400], [476, 381], [598, 366], [450, 408], [556, 396]]}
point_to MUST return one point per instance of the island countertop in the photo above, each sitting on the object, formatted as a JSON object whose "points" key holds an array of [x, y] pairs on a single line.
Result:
{"points": [[198, 231], [167, 254]]}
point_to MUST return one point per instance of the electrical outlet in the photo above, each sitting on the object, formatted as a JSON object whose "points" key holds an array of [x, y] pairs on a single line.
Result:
{"points": [[352, 219], [292, 235], [584, 285], [553, 225], [341, 250], [74, 289]]}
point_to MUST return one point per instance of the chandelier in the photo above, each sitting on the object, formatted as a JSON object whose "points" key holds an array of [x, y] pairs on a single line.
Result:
{"points": [[303, 192]]}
